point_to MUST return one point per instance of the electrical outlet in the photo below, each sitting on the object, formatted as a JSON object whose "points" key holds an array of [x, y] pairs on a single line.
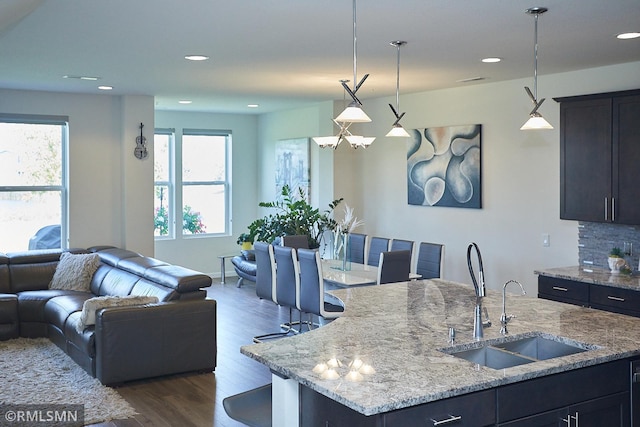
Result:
{"points": [[546, 242]]}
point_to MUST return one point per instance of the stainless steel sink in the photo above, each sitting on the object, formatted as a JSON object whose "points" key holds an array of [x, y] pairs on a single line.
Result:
{"points": [[517, 350], [541, 348], [492, 357]]}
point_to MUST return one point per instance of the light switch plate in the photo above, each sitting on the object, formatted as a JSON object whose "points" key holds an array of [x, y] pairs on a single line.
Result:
{"points": [[546, 242]]}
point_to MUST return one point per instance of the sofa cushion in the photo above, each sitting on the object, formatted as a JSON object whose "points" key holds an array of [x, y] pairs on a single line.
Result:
{"points": [[147, 288], [116, 282], [179, 278], [84, 340], [58, 309], [90, 306], [31, 304], [74, 272]]}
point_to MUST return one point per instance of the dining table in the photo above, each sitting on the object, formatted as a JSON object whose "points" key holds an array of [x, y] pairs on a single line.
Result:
{"points": [[336, 273]]}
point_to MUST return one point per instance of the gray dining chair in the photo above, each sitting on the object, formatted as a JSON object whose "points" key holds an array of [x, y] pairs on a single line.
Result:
{"points": [[394, 267], [402, 245], [287, 282], [265, 271], [376, 247], [357, 247], [266, 281], [312, 296], [300, 241], [430, 260]]}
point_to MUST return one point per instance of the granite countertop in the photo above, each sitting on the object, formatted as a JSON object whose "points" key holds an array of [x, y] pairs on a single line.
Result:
{"points": [[395, 331], [598, 276]]}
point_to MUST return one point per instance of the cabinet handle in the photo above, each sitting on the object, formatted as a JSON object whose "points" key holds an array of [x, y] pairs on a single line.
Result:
{"points": [[606, 211], [613, 209], [558, 288], [451, 419], [615, 298], [571, 417]]}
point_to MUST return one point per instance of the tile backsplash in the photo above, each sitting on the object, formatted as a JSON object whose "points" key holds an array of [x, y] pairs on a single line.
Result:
{"points": [[595, 241]]}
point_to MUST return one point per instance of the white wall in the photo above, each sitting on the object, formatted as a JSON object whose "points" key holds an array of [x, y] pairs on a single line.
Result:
{"points": [[520, 175], [197, 252], [104, 176]]}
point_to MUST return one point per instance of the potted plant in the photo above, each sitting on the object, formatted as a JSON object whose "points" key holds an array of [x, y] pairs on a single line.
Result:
{"points": [[245, 240], [616, 260], [293, 216]]}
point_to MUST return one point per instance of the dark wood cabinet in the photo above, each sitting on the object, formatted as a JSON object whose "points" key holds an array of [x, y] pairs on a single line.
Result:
{"points": [[592, 396], [563, 290], [602, 297], [473, 410], [610, 411], [599, 155]]}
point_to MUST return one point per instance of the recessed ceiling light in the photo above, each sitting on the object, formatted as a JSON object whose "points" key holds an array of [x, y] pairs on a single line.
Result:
{"points": [[196, 57], [105, 87], [184, 101], [628, 36], [90, 78], [491, 60], [253, 105]]}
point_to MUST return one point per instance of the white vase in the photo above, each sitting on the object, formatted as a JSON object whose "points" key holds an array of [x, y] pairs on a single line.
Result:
{"points": [[615, 264]]}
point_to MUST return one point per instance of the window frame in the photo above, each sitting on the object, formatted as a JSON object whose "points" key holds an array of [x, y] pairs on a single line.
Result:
{"points": [[170, 184], [176, 183], [63, 188]]}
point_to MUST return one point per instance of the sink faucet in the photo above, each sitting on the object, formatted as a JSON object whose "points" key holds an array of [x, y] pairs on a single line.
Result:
{"points": [[479, 287], [504, 319]]}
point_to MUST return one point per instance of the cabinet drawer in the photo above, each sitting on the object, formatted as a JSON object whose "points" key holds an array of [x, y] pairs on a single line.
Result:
{"points": [[563, 290], [564, 389], [617, 300], [476, 409]]}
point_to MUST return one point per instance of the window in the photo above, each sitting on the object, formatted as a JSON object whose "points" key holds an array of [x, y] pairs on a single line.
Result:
{"points": [[33, 171], [202, 192], [163, 177]]}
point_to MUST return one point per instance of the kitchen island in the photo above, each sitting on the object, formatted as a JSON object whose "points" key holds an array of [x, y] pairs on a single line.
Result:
{"points": [[394, 334]]}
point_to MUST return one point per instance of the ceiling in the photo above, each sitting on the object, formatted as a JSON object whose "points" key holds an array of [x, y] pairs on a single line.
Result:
{"points": [[284, 54]]}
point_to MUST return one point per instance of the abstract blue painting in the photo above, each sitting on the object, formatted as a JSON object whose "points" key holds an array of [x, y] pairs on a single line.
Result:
{"points": [[443, 167]]}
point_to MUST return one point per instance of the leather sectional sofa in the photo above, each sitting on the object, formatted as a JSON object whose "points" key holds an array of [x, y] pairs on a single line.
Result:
{"points": [[175, 335]]}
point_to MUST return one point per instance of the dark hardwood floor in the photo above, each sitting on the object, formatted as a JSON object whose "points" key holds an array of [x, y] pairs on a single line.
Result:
{"points": [[196, 399]]}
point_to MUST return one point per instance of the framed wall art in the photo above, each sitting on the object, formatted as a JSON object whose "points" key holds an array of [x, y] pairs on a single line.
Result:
{"points": [[292, 165], [444, 166]]}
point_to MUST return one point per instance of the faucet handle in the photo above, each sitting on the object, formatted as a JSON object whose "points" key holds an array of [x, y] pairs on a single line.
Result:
{"points": [[487, 322]]}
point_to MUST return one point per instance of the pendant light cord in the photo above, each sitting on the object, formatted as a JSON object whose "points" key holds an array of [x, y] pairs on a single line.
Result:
{"points": [[355, 49], [535, 57]]}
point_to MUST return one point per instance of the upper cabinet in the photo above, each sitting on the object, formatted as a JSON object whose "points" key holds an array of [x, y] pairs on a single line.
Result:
{"points": [[600, 157]]}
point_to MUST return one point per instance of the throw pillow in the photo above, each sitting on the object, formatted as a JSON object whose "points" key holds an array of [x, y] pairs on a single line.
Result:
{"points": [[74, 272], [92, 305]]}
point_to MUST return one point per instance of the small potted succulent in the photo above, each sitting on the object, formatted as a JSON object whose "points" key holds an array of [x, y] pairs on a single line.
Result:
{"points": [[245, 240], [616, 260]]}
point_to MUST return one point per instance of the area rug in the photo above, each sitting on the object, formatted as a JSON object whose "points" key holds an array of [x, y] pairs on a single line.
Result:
{"points": [[36, 371]]}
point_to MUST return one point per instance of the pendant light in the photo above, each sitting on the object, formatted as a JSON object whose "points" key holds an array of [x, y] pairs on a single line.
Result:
{"points": [[354, 113], [397, 130], [536, 121]]}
